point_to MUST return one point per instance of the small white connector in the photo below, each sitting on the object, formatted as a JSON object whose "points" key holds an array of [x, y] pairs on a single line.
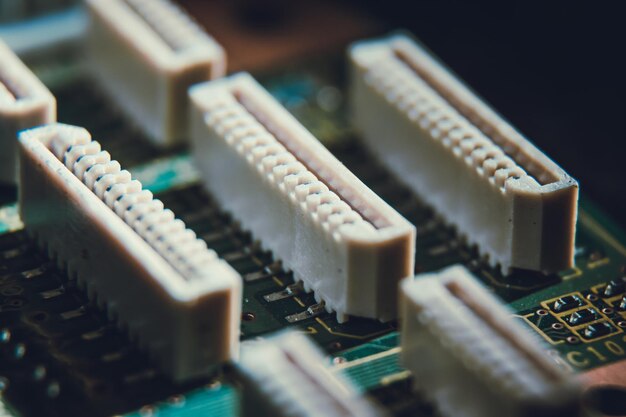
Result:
{"points": [[337, 236], [130, 253], [24, 103], [471, 358], [502, 193], [287, 376], [146, 54]]}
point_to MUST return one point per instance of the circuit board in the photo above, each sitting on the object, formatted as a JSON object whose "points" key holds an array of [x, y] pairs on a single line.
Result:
{"points": [[60, 355]]}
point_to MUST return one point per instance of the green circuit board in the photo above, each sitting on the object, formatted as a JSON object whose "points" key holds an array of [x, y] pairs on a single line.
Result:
{"points": [[72, 360]]}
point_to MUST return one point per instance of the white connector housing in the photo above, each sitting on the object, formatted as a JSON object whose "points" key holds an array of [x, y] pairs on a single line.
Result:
{"points": [[24, 103], [287, 376], [337, 236], [181, 302], [146, 54], [502, 193], [471, 358]]}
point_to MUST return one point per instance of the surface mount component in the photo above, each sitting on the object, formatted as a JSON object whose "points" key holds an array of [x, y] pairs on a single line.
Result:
{"points": [[24, 103], [286, 375], [338, 237], [181, 302], [146, 54], [471, 358], [501, 192]]}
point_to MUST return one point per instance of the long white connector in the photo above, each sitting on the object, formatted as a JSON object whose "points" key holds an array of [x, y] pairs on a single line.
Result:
{"points": [[131, 254], [146, 54], [471, 358], [287, 376], [24, 103], [502, 193], [336, 235]]}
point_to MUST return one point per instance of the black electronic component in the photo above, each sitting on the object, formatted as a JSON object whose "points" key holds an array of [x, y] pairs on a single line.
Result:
{"points": [[566, 303], [615, 287], [582, 316], [598, 330]]}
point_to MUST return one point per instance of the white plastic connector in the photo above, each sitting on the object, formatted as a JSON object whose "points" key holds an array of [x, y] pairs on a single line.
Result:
{"points": [[287, 376], [480, 174], [471, 358], [24, 103], [334, 233], [146, 54], [179, 300]]}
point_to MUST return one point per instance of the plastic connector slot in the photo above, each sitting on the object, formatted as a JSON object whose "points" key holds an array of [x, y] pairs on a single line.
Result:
{"points": [[337, 236], [286, 375], [471, 358], [177, 297], [146, 54], [24, 103], [500, 192]]}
